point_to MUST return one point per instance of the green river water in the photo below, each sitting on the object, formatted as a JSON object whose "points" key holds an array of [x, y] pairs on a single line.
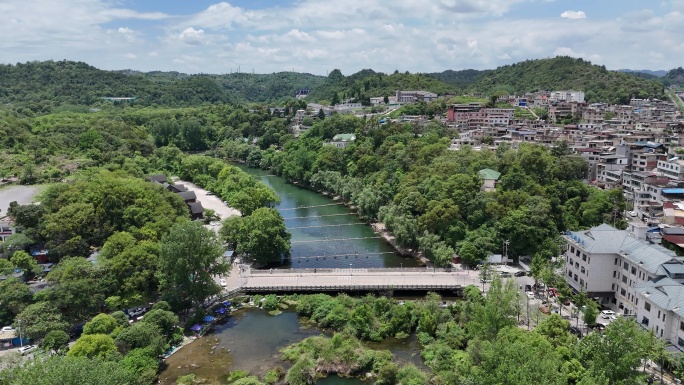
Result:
{"points": [[326, 234]]}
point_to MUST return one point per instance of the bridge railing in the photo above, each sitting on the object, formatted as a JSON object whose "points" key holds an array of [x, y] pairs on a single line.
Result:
{"points": [[353, 270], [348, 287]]}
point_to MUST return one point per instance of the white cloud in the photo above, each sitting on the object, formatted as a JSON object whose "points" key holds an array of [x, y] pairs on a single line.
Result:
{"points": [[131, 56], [574, 15], [191, 36], [320, 35]]}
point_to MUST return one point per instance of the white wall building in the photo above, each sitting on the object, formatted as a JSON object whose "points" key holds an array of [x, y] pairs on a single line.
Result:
{"points": [[567, 96], [608, 263]]}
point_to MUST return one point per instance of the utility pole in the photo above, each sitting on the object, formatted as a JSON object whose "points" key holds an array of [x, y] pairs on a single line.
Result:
{"points": [[505, 250], [21, 340]]}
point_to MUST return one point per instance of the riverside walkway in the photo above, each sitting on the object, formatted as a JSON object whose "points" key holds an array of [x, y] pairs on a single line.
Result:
{"points": [[244, 279]]}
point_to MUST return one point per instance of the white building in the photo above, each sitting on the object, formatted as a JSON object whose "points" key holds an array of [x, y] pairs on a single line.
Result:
{"points": [[415, 96], [6, 228], [608, 263], [671, 168], [567, 96]]}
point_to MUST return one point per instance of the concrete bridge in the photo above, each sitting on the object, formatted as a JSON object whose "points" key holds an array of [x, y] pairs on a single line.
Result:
{"points": [[247, 280]]}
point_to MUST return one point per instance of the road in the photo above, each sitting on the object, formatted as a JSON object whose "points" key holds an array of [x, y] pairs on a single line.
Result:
{"points": [[21, 194]]}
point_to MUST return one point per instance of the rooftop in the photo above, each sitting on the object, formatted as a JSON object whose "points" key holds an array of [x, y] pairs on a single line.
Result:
{"points": [[488, 173]]}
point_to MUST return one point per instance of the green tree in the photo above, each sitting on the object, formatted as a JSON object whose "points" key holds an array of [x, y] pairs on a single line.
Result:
{"points": [[56, 340], [498, 310], [101, 324], [93, 346], [22, 260], [556, 330], [67, 370], [14, 295], [262, 236], [39, 319], [501, 361], [143, 363], [164, 320], [606, 355], [191, 256]]}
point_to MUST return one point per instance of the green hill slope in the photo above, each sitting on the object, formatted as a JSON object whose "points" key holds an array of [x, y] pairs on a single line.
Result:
{"points": [[368, 83], [599, 84], [674, 76]]}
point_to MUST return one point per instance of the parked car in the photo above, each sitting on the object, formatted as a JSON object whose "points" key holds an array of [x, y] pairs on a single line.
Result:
{"points": [[553, 292], [608, 314], [7, 329], [223, 282], [505, 274], [529, 294], [136, 311], [544, 309], [27, 349], [519, 273], [632, 214], [576, 331], [528, 287]]}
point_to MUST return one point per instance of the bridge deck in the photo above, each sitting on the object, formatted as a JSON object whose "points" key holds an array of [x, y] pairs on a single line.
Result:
{"points": [[244, 279]]}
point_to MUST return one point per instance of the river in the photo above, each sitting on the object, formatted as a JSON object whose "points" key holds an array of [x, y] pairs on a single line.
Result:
{"points": [[251, 340], [326, 234]]}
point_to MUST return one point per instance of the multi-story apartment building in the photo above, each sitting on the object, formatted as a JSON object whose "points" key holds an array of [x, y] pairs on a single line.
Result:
{"points": [[567, 96], [415, 96], [609, 263], [671, 168]]}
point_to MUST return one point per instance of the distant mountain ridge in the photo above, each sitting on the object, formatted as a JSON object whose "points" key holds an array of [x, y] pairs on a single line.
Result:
{"points": [[53, 83], [657, 73]]}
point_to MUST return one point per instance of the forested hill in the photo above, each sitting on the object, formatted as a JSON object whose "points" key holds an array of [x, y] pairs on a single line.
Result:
{"points": [[674, 76], [368, 83], [566, 73], [462, 78], [43, 85]]}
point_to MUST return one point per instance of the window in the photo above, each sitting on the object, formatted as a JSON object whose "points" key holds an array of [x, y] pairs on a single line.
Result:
{"points": [[569, 273], [647, 306], [572, 261], [680, 342], [624, 279], [582, 269], [614, 274], [658, 313], [581, 282], [575, 277], [623, 292], [681, 326], [644, 321], [576, 265], [625, 266], [572, 249], [615, 262], [584, 257], [633, 270]]}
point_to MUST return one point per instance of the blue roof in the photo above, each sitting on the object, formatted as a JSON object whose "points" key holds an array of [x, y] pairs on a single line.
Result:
{"points": [[673, 191]]}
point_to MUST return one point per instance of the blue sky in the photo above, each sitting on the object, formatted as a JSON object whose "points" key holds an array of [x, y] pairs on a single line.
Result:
{"points": [[317, 36]]}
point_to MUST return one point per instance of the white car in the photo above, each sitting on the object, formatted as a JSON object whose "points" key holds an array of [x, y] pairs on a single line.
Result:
{"points": [[608, 314], [632, 214], [7, 329], [529, 294], [223, 282], [27, 349]]}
